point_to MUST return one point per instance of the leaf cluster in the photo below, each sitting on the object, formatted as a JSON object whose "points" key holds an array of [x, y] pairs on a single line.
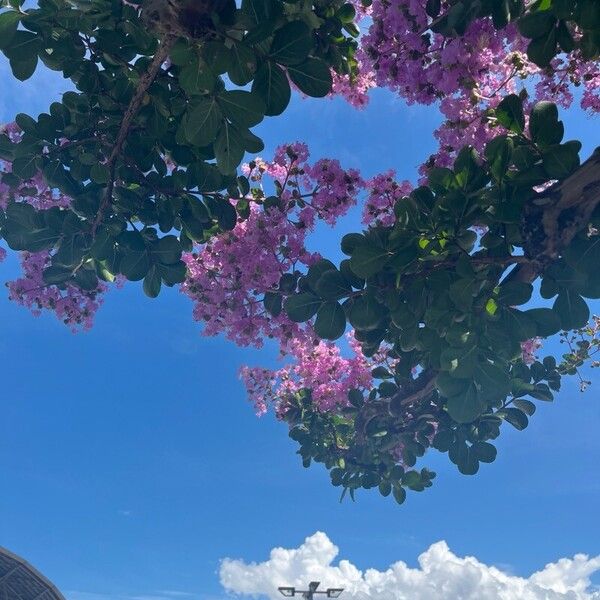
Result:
{"points": [[149, 158], [442, 292]]}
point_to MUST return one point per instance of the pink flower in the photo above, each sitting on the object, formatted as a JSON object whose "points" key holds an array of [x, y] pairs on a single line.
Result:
{"points": [[529, 348]]}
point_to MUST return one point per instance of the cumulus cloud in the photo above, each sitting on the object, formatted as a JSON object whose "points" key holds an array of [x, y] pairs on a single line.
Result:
{"points": [[440, 575]]}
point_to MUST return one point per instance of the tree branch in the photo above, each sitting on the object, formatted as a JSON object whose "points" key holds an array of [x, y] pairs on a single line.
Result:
{"points": [[423, 386], [144, 84], [556, 215], [573, 202]]}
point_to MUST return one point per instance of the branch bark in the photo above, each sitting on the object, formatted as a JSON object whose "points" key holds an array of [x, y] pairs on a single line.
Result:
{"points": [[556, 215], [424, 385]]}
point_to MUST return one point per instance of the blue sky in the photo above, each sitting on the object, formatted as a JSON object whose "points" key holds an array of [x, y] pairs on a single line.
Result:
{"points": [[131, 462]]}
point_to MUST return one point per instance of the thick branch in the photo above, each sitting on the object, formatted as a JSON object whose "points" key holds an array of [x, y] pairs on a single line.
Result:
{"points": [[424, 385], [555, 216], [573, 202]]}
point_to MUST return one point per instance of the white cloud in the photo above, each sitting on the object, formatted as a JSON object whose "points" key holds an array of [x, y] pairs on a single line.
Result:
{"points": [[440, 575]]}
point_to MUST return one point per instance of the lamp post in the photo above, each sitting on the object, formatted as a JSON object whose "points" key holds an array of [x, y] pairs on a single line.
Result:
{"points": [[309, 594]]}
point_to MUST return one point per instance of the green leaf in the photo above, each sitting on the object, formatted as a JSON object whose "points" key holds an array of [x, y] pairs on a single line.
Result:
{"points": [[316, 270], [99, 173], [259, 10], [385, 488], [243, 64], [544, 127], [461, 294], [252, 143], [25, 166], [229, 149], [517, 418], [514, 293], [202, 121], [589, 15], [167, 250], [86, 279], [525, 405], [312, 77], [466, 407], [330, 323], [468, 463], [172, 274], [273, 303], [441, 179], [291, 43], [561, 160], [242, 108], [449, 386], [484, 451], [70, 252], [541, 392], [366, 312], [23, 45], [547, 321], [572, 309], [23, 68], [134, 264], [536, 24], [433, 7], [387, 389], [333, 285], [399, 494], [103, 245], [542, 50], [152, 283], [9, 21], [509, 113], [227, 216], [272, 84], [368, 260], [301, 307], [460, 362], [518, 324], [218, 56], [498, 152], [493, 379], [350, 275], [57, 275], [443, 439], [197, 77], [351, 241], [182, 53], [356, 398]]}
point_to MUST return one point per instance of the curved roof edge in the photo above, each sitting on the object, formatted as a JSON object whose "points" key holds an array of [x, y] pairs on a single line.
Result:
{"points": [[43, 580]]}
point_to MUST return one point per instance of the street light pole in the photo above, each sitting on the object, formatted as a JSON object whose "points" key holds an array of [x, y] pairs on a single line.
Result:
{"points": [[309, 594]]}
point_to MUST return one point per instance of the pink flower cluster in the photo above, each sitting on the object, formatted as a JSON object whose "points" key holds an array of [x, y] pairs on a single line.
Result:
{"points": [[229, 276], [335, 190], [383, 193], [529, 348], [355, 90], [320, 367], [465, 75], [73, 306]]}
